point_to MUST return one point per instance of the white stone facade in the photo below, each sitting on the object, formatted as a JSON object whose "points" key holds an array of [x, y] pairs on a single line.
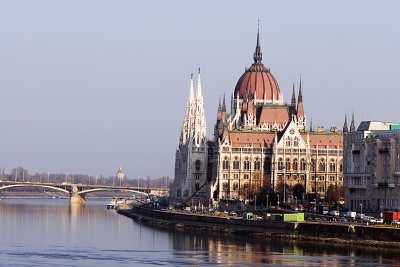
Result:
{"points": [[372, 167]]}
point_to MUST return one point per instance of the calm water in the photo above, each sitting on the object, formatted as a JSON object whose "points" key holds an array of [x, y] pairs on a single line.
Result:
{"points": [[50, 232]]}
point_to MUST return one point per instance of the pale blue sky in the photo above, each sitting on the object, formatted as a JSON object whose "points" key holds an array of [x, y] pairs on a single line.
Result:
{"points": [[88, 85]]}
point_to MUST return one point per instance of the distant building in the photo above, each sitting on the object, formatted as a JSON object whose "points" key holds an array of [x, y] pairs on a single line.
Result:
{"points": [[372, 167], [120, 175], [261, 143]]}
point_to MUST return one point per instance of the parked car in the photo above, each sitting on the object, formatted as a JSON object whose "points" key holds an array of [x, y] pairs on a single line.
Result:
{"points": [[233, 213]]}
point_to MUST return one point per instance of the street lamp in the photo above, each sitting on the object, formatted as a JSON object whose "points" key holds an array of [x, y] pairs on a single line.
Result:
{"points": [[278, 200], [267, 202], [295, 205], [315, 204], [255, 202], [360, 209]]}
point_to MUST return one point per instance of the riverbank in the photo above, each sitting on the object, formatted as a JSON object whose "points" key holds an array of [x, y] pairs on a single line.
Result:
{"points": [[346, 234]]}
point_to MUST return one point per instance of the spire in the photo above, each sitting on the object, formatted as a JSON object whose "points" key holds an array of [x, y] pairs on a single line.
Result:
{"points": [[198, 93], [223, 104], [219, 104], [191, 88], [257, 53], [300, 109], [293, 104], [352, 124], [311, 128], [345, 128]]}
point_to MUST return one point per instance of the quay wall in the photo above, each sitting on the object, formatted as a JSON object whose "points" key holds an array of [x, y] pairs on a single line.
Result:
{"points": [[379, 236]]}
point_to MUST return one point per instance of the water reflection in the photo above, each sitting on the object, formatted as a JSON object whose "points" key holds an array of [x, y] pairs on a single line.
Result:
{"points": [[52, 232]]}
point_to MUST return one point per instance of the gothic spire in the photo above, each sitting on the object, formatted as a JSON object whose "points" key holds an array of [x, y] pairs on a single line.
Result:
{"points": [[352, 124], [219, 104], [223, 104], [191, 88], [300, 109], [300, 93], [198, 92], [345, 128], [257, 53], [293, 104]]}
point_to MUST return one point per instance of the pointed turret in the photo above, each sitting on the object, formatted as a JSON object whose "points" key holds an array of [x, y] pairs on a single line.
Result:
{"points": [[257, 53], [352, 124], [188, 119], [293, 103], [198, 92], [223, 104], [219, 104], [345, 127], [300, 109], [311, 128]]}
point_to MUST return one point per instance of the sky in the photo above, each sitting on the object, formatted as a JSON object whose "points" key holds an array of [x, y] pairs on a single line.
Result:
{"points": [[87, 86]]}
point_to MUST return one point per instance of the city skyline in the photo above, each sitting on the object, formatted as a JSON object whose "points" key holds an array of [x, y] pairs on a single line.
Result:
{"points": [[87, 87]]}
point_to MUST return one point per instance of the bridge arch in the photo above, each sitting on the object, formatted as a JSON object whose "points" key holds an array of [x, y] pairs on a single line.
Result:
{"points": [[84, 192], [34, 185]]}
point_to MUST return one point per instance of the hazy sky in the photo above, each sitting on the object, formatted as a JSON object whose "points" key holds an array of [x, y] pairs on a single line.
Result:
{"points": [[88, 85]]}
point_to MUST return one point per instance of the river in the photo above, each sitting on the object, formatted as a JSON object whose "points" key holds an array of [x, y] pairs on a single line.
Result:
{"points": [[50, 232]]}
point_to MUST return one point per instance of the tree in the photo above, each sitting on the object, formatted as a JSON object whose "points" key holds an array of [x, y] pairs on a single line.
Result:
{"points": [[298, 191], [332, 194]]}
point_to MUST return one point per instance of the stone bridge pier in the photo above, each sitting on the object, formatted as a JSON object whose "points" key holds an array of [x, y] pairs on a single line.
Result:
{"points": [[75, 197]]}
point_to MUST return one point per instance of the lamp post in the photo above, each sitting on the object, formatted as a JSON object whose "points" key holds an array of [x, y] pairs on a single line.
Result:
{"points": [[295, 199], [278, 200], [315, 201], [255, 202], [360, 209], [284, 185], [267, 202]]}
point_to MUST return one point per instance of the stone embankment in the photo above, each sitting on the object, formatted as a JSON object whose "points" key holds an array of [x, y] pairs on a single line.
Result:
{"points": [[333, 233]]}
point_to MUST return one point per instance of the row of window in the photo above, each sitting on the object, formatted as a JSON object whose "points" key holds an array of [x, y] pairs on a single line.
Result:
{"points": [[288, 165], [236, 176]]}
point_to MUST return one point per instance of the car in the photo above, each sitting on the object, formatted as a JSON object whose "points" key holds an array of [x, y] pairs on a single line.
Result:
{"points": [[342, 219], [380, 220], [233, 213]]}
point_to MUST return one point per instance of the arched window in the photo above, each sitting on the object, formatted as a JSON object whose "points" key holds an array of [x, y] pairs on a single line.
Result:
{"points": [[225, 186], [225, 164], [321, 165], [313, 165], [280, 164], [332, 165], [295, 165], [267, 165], [341, 166], [287, 165], [235, 186], [296, 141], [288, 141], [303, 165], [236, 164], [246, 164], [197, 165], [257, 164]]}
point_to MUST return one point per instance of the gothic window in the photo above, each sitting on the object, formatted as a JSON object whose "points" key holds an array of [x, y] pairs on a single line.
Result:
{"points": [[288, 141], [197, 165], [322, 178], [196, 186], [267, 165], [225, 164], [296, 141], [302, 165], [245, 176], [236, 176], [225, 186], [332, 166], [287, 164], [321, 165], [246, 164], [235, 186], [341, 166], [280, 164], [257, 164], [295, 165], [313, 165], [225, 176], [236, 164]]}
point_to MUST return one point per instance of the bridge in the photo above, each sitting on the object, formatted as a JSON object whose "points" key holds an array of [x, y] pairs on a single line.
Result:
{"points": [[77, 192]]}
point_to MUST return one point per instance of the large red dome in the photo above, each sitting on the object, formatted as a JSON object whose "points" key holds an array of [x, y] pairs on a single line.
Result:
{"points": [[259, 80]]}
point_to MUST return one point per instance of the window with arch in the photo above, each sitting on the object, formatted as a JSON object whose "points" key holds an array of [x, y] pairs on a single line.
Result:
{"points": [[235, 186], [257, 164], [246, 164], [296, 141], [332, 165], [295, 165], [288, 141], [313, 165], [341, 166], [225, 164], [287, 165], [280, 164], [267, 165], [197, 165], [236, 164], [321, 165], [303, 165], [225, 186]]}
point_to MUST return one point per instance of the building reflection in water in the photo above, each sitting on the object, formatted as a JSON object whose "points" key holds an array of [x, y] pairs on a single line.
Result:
{"points": [[232, 250]]}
